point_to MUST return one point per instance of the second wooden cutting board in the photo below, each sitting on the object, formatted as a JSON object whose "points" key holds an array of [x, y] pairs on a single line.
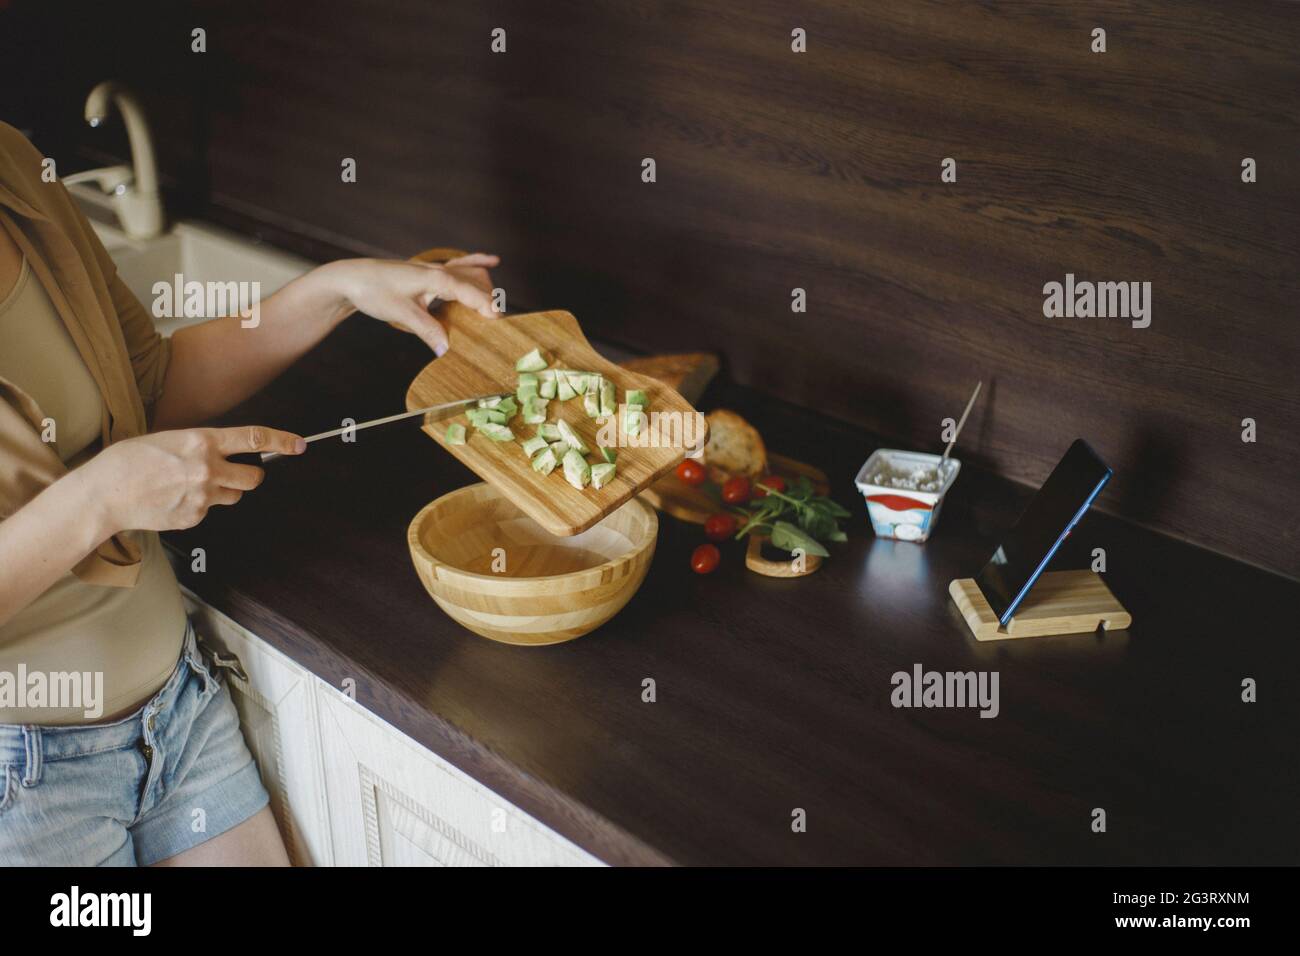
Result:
{"points": [[482, 359]]}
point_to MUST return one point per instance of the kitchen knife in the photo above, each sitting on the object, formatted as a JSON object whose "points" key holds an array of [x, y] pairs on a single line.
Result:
{"points": [[435, 413]]}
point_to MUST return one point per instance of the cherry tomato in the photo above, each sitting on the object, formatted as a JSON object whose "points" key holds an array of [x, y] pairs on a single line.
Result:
{"points": [[720, 526], [705, 558], [691, 472], [736, 491], [775, 482]]}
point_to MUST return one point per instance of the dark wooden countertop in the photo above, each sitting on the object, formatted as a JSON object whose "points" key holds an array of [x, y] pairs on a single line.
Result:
{"points": [[774, 695]]}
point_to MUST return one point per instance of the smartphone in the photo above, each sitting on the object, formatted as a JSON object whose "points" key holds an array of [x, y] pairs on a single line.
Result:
{"points": [[1052, 514]]}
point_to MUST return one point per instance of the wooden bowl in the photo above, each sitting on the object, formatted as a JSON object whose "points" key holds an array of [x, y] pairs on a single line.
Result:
{"points": [[499, 573]]}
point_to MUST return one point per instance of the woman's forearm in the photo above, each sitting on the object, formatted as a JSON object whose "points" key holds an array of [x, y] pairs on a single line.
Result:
{"points": [[45, 538], [153, 482], [217, 364]]}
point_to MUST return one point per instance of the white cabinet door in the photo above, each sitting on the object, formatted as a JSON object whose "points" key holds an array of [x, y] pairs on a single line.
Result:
{"points": [[277, 712], [394, 803]]}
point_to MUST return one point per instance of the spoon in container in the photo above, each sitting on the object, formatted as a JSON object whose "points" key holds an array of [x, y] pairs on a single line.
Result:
{"points": [[948, 451]]}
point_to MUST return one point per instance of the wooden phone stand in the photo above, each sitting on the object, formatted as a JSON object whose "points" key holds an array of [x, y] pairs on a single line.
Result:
{"points": [[1060, 602]]}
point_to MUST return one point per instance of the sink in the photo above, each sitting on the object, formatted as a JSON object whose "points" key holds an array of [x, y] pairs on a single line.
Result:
{"points": [[198, 251]]}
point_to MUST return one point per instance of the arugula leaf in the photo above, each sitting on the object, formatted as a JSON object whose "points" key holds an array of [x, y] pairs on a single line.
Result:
{"points": [[800, 487], [787, 537], [817, 523], [797, 517], [833, 508]]}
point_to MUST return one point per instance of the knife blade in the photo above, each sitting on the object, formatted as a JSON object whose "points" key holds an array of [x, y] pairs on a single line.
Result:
{"points": [[437, 413]]}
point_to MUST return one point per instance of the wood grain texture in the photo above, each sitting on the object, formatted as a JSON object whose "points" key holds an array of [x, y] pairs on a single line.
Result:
{"points": [[1060, 602], [481, 361], [539, 598], [775, 694], [786, 568], [819, 171]]}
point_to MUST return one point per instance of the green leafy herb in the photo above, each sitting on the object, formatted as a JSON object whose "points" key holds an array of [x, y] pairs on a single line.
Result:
{"points": [[795, 518], [787, 537]]}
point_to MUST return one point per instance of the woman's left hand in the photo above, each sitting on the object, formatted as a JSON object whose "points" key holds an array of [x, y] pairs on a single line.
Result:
{"points": [[400, 292]]}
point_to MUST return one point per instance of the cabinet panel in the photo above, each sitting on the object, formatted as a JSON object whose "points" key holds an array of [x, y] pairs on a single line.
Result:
{"points": [[394, 803], [277, 713]]}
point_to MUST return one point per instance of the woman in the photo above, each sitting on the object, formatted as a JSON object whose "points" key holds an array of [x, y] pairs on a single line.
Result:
{"points": [[117, 743]]}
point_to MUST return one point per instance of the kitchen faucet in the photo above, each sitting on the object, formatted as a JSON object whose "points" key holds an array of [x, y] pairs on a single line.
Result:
{"points": [[134, 190]]}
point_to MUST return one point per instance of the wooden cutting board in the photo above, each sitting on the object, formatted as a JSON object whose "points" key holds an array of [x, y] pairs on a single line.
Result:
{"points": [[481, 361], [688, 372]]}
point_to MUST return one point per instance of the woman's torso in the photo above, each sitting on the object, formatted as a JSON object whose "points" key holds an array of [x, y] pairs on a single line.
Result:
{"points": [[123, 642]]}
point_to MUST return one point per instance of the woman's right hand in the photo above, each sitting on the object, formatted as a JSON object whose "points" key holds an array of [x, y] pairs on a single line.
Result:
{"points": [[168, 480]]}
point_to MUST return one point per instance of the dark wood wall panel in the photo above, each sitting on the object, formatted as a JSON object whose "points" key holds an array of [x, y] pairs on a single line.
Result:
{"points": [[821, 171]]}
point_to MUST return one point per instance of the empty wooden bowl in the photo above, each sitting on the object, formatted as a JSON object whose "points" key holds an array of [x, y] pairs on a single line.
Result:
{"points": [[499, 573]]}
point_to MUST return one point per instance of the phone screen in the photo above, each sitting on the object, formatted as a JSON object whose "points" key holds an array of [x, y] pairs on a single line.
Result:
{"points": [[1038, 533]]}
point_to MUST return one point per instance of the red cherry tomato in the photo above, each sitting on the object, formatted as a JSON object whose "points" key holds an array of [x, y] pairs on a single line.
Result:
{"points": [[774, 482], [736, 491], [691, 472], [720, 526], [705, 558]]}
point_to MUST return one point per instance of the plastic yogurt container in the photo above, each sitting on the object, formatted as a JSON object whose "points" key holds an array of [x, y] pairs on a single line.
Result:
{"points": [[904, 491]]}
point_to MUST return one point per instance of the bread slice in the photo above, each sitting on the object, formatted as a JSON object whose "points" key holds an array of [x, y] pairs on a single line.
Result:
{"points": [[734, 448]]}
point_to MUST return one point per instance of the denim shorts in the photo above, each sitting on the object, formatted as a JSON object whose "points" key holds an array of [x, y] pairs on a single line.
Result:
{"points": [[174, 774]]}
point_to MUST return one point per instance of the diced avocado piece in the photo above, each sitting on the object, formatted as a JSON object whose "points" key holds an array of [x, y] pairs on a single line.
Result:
{"points": [[577, 382], [508, 407], [478, 417], [532, 362], [535, 444], [545, 461], [547, 388], [602, 474], [495, 415], [608, 398], [559, 447], [534, 411], [636, 397], [528, 386], [609, 454], [563, 390], [571, 436], [455, 434], [633, 418], [550, 431], [591, 402], [498, 432], [492, 402], [576, 470]]}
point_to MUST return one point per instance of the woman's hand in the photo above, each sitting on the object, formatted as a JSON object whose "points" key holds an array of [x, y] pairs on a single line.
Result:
{"points": [[215, 365], [155, 482], [169, 480], [400, 292]]}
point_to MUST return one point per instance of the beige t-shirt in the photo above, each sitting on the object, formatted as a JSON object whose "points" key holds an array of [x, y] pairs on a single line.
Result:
{"points": [[123, 642]]}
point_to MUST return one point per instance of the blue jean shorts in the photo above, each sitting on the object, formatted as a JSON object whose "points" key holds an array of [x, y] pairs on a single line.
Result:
{"points": [[174, 774]]}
